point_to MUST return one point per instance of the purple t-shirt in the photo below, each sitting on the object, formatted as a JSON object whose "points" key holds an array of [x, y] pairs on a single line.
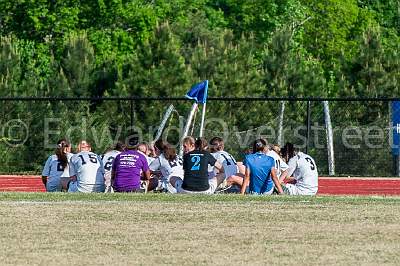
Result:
{"points": [[128, 166]]}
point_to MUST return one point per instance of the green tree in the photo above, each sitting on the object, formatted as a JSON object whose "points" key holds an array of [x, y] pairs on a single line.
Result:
{"points": [[331, 32], [289, 70], [373, 71], [78, 64], [10, 67]]}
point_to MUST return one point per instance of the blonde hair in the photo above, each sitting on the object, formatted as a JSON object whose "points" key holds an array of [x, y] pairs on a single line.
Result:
{"points": [[143, 147], [189, 140], [83, 144], [276, 148]]}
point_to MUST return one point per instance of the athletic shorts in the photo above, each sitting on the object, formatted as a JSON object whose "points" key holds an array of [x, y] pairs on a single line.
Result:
{"points": [[269, 192], [73, 188], [291, 189], [212, 182]]}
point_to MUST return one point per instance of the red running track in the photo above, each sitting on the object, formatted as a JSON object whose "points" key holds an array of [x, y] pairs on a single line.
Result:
{"points": [[327, 185], [21, 183]]}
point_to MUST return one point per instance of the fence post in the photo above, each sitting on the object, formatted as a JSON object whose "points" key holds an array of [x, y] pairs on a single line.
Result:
{"points": [[329, 139], [308, 125], [280, 126]]}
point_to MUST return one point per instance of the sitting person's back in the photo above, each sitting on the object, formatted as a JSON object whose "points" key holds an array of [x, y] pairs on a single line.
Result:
{"points": [[86, 170], [127, 169], [260, 172], [195, 165], [302, 174]]}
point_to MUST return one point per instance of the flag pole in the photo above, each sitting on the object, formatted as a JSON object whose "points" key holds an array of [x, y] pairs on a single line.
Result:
{"points": [[187, 126], [203, 115]]}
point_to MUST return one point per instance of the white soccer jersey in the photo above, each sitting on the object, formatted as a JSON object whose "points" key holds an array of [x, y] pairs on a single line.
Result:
{"points": [[108, 160], [303, 168], [66, 174], [280, 164], [168, 168], [227, 161], [89, 171], [54, 172]]}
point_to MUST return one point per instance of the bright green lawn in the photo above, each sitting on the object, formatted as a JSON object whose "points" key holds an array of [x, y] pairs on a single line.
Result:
{"points": [[99, 229]]}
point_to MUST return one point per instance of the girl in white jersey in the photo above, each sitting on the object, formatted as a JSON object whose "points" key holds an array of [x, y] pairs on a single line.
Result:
{"points": [[233, 172], [56, 166], [280, 164], [108, 159], [302, 176], [86, 171], [168, 163]]}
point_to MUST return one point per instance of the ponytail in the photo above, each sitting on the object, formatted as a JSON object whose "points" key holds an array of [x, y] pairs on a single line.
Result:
{"points": [[201, 144], [259, 145], [161, 145], [288, 151], [60, 152]]}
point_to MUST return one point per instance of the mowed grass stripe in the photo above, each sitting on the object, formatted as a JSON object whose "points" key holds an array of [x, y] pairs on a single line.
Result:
{"points": [[55, 197], [133, 229]]}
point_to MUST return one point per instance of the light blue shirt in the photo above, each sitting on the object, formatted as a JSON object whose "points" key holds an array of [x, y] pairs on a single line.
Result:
{"points": [[260, 166], [54, 171]]}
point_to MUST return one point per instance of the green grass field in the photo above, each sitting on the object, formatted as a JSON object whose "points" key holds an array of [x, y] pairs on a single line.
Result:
{"points": [[133, 229]]}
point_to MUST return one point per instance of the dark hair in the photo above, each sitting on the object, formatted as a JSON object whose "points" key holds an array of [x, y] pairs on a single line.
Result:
{"points": [[119, 146], [288, 151], [61, 155], [169, 152], [160, 145], [259, 145], [201, 144], [216, 144], [132, 142]]}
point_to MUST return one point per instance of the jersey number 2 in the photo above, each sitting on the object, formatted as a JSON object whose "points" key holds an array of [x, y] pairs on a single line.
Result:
{"points": [[196, 161], [109, 163]]}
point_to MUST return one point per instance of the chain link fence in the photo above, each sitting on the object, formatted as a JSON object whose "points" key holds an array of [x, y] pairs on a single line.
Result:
{"points": [[362, 130]]}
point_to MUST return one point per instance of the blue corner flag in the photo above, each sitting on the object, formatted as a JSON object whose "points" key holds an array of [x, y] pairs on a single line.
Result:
{"points": [[199, 92]]}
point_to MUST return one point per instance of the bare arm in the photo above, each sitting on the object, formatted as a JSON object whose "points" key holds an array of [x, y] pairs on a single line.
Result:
{"points": [[146, 175], [290, 180], [44, 180], [283, 176], [112, 177], [276, 181], [219, 167], [292, 168], [246, 181]]}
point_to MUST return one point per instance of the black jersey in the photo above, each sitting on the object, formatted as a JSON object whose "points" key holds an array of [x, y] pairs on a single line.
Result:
{"points": [[195, 166]]}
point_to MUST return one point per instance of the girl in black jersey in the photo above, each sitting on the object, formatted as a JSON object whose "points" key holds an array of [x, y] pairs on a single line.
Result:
{"points": [[195, 165]]}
